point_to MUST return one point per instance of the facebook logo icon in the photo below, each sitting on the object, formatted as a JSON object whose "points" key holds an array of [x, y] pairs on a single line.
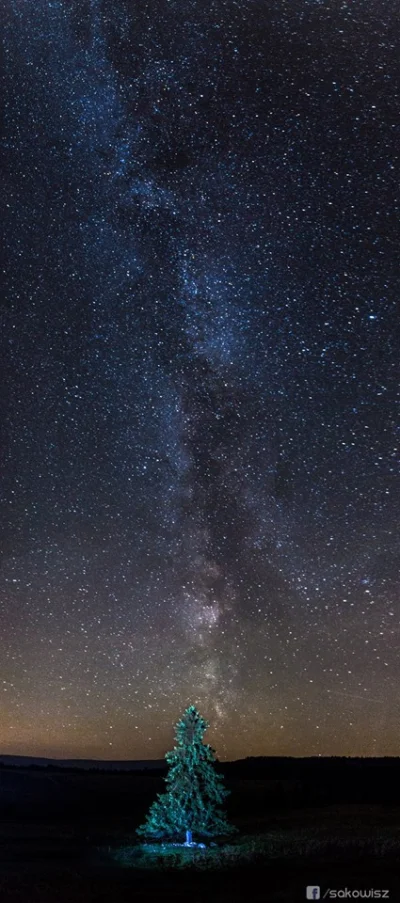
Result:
{"points": [[313, 893]]}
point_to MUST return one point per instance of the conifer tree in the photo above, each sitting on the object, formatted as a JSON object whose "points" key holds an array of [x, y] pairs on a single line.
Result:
{"points": [[194, 791]]}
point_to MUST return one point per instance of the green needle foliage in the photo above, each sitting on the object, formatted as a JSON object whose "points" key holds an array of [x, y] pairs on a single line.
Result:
{"points": [[194, 793]]}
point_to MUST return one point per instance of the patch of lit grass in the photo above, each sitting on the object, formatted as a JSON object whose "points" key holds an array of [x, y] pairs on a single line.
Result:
{"points": [[296, 844]]}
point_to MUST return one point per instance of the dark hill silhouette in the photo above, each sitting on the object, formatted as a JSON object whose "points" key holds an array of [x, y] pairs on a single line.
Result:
{"points": [[78, 788], [82, 764]]}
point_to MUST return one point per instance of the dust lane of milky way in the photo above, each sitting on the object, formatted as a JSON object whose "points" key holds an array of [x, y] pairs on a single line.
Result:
{"points": [[199, 398]]}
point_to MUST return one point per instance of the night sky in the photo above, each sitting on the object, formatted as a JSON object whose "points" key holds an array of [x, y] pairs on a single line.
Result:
{"points": [[199, 374]]}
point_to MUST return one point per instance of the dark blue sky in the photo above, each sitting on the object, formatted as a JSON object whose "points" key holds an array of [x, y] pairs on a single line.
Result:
{"points": [[200, 334]]}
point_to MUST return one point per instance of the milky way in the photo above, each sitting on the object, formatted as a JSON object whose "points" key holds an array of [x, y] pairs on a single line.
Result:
{"points": [[199, 348]]}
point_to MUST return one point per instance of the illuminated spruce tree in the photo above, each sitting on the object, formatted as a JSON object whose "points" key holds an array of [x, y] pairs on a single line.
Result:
{"points": [[195, 792]]}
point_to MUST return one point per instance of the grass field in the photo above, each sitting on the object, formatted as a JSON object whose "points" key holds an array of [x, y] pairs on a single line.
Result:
{"points": [[273, 858]]}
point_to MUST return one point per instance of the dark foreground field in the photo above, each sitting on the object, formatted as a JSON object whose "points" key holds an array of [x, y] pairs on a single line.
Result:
{"points": [[284, 883], [334, 847], [70, 838]]}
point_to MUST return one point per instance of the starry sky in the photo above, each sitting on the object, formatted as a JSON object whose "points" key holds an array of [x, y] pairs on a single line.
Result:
{"points": [[199, 371]]}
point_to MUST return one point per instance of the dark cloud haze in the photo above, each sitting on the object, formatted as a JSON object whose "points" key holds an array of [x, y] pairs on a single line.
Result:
{"points": [[199, 404]]}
